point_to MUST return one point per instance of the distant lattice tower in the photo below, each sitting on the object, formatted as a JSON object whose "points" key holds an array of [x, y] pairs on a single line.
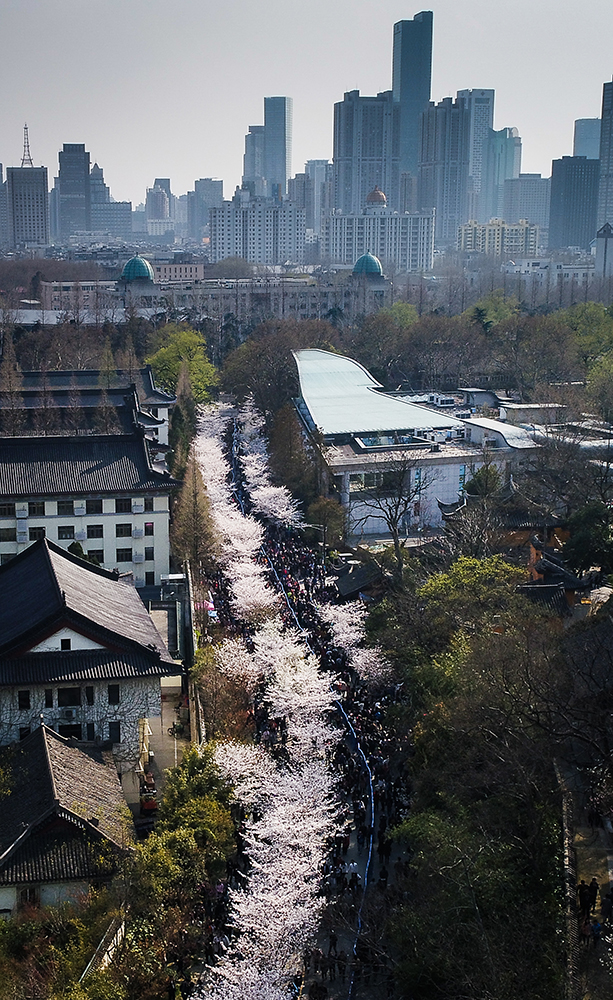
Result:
{"points": [[26, 159]]}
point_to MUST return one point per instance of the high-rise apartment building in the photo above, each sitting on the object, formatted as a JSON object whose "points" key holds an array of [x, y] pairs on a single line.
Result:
{"points": [[27, 206], [480, 104], [587, 138], [366, 137], [268, 150], [261, 230], [4, 223], [498, 238], [411, 83], [605, 189], [444, 159], [501, 162], [74, 202], [574, 202], [527, 197]]}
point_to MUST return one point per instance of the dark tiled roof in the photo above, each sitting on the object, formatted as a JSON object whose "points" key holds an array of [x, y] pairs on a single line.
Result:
{"points": [[81, 665], [77, 466], [51, 778], [147, 392], [550, 596], [63, 856], [45, 585]]}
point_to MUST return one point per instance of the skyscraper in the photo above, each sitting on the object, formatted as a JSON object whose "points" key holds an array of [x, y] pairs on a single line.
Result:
{"points": [[587, 138], [366, 137], [27, 203], [268, 150], [74, 192], [411, 83], [605, 189], [527, 197], [501, 162], [480, 104], [443, 166], [574, 200], [278, 126]]}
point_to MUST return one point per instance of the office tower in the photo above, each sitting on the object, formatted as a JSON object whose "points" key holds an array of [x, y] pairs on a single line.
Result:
{"points": [[605, 189], [107, 216], [254, 162], [268, 150], [587, 138], [501, 162], [411, 81], [480, 104], [98, 191], [73, 187], [527, 197], [366, 137], [443, 166], [574, 202], [278, 125], [207, 194], [27, 201], [319, 192], [259, 229]]}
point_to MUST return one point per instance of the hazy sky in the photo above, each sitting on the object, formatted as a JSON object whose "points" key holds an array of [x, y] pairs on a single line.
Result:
{"points": [[168, 88]]}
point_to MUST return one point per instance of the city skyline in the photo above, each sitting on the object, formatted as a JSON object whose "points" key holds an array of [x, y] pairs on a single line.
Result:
{"points": [[158, 96]]}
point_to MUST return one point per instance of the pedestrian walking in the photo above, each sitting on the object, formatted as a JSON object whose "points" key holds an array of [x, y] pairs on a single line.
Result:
{"points": [[586, 932], [596, 932], [593, 895], [341, 961], [605, 909], [332, 942]]}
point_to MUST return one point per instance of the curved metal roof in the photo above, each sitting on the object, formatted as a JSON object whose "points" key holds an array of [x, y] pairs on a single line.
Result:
{"points": [[342, 397]]}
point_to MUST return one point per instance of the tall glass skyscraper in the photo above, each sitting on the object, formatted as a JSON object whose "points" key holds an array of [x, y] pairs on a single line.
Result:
{"points": [[278, 123], [411, 82]]}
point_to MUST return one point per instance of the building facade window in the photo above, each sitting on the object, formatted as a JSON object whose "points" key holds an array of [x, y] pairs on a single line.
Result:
{"points": [[65, 507], [8, 534], [123, 506], [95, 531], [93, 506], [65, 644], [48, 698], [149, 556], [123, 555], [36, 508], [8, 510], [113, 690], [65, 531], [89, 695], [148, 504], [97, 554], [35, 534], [23, 700], [149, 579], [123, 530], [91, 735], [68, 697], [114, 732]]}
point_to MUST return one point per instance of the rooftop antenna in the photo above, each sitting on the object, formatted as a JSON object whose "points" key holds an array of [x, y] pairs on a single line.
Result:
{"points": [[26, 159]]}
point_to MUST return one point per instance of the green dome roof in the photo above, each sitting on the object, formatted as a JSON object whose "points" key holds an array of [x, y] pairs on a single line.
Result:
{"points": [[137, 269], [368, 264]]}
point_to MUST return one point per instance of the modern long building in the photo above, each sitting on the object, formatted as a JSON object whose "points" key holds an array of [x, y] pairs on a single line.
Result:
{"points": [[586, 140], [74, 201], [501, 162], [267, 163], [367, 432]]}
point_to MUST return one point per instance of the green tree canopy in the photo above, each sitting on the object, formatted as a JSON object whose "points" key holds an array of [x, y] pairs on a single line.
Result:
{"points": [[180, 345]]}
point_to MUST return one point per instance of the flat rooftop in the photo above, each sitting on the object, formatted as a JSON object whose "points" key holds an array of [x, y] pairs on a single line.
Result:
{"points": [[343, 398]]}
